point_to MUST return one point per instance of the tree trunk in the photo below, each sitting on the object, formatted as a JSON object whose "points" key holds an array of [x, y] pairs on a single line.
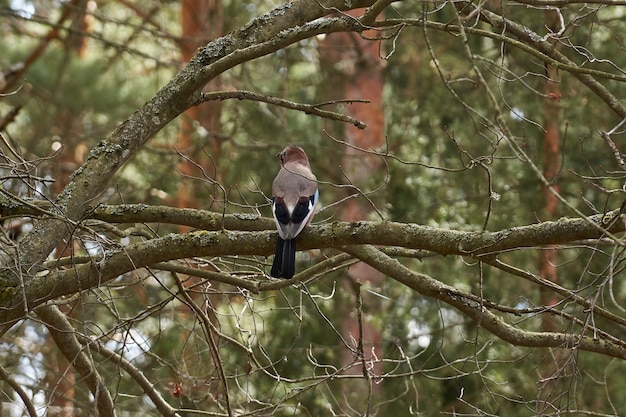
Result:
{"points": [[202, 21], [548, 257], [353, 67]]}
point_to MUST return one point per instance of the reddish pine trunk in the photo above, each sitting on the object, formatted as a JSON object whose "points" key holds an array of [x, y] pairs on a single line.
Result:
{"points": [[551, 383], [355, 72], [202, 21], [551, 165]]}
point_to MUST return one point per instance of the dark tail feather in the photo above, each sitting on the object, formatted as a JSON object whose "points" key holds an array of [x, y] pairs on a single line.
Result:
{"points": [[289, 258], [284, 265], [277, 266]]}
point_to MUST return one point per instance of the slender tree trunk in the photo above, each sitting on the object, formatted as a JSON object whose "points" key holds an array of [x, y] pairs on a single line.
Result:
{"points": [[551, 365], [202, 21], [77, 39], [354, 71], [200, 141], [61, 377]]}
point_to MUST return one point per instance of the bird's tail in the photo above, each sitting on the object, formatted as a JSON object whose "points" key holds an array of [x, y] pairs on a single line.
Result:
{"points": [[284, 265]]}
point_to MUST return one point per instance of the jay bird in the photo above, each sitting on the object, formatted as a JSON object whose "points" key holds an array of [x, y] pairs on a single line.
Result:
{"points": [[294, 197]]}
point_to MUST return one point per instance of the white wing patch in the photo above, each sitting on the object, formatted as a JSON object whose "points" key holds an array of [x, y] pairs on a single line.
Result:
{"points": [[291, 230]]}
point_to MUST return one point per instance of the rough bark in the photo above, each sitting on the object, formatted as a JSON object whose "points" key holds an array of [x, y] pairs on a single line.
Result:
{"points": [[50, 284]]}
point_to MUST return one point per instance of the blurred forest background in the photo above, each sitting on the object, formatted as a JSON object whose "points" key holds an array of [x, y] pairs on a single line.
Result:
{"points": [[481, 117]]}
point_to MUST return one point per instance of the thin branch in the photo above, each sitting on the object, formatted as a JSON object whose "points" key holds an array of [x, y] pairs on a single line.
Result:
{"points": [[542, 3], [558, 61], [500, 124], [248, 283], [553, 286], [52, 34], [430, 287], [373, 11], [208, 328], [306, 108], [64, 336], [616, 153], [146, 385], [361, 353], [30, 407]]}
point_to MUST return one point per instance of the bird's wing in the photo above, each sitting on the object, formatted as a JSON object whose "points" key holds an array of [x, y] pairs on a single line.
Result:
{"points": [[295, 196]]}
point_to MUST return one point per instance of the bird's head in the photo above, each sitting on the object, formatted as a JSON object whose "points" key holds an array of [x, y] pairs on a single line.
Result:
{"points": [[293, 153]]}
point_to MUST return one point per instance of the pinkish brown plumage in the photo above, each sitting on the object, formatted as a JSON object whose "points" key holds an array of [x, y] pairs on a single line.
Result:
{"points": [[294, 195]]}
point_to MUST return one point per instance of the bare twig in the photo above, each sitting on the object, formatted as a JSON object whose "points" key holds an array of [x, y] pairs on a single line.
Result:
{"points": [[430, 287], [208, 328], [616, 152], [361, 353], [146, 385], [306, 108], [30, 407], [64, 336]]}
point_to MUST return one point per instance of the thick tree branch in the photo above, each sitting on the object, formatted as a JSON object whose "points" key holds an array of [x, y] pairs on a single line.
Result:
{"points": [[143, 213], [480, 245], [475, 243], [65, 339], [476, 310]]}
